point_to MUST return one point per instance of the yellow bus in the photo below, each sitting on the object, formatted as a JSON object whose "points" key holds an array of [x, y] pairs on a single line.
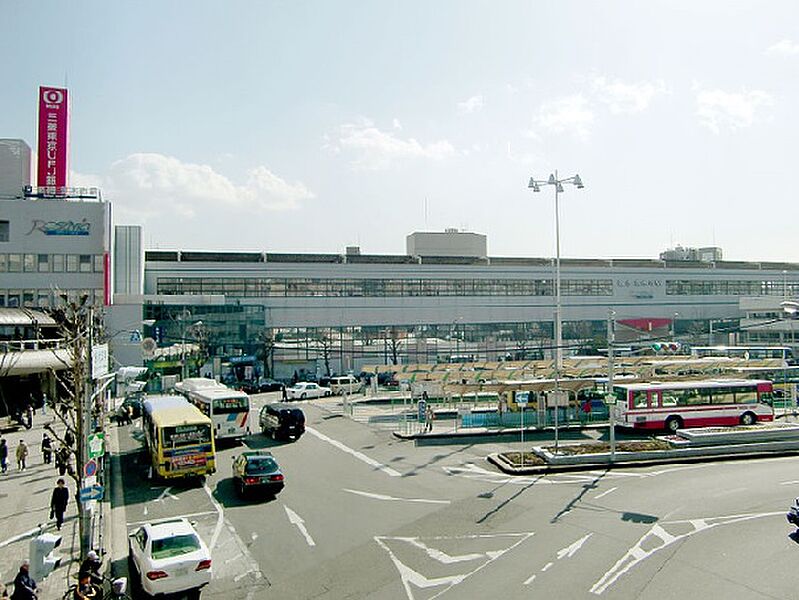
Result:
{"points": [[178, 438]]}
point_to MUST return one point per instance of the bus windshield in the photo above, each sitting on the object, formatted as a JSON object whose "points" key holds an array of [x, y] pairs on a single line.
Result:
{"points": [[186, 435], [230, 405]]}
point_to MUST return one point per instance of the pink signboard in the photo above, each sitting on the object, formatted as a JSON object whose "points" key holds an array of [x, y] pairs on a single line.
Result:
{"points": [[52, 172]]}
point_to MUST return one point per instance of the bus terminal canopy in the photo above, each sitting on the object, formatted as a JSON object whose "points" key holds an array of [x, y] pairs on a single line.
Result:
{"points": [[573, 368]]}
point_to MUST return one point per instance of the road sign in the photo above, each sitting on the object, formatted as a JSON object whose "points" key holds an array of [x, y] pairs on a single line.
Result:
{"points": [[422, 410], [90, 468], [135, 336], [522, 398], [96, 445], [94, 492]]}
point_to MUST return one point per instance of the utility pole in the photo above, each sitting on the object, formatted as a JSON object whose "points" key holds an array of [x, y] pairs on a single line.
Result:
{"points": [[610, 398], [84, 427]]}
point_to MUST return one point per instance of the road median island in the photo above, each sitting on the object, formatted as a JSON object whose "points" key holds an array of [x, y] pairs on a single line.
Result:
{"points": [[695, 445]]}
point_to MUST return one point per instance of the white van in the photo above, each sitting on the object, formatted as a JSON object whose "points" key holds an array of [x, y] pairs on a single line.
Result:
{"points": [[345, 384]]}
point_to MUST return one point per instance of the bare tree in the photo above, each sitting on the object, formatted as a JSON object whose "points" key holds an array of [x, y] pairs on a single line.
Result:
{"points": [[394, 345], [266, 350]]}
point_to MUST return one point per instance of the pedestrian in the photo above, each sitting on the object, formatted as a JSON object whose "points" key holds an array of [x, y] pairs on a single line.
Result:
{"points": [[58, 502], [69, 439], [24, 585], [285, 393], [62, 460], [22, 455], [429, 416], [47, 449], [3, 455], [92, 567], [29, 415], [44, 403]]}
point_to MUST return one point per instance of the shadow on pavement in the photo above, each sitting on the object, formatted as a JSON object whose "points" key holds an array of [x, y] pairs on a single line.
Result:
{"points": [[225, 493], [262, 442]]}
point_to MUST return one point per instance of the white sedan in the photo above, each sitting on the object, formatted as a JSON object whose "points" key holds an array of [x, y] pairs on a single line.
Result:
{"points": [[305, 389], [168, 557]]}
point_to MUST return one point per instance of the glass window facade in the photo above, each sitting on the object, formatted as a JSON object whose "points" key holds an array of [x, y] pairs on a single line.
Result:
{"points": [[257, 287], [697, 287]]}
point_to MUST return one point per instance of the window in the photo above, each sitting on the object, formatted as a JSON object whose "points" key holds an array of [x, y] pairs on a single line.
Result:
{"points": [[85, 263], [3, 263], [640, 399], [44, 263], [14, 263], [745, 395], [4, 231], [58, 263], [72, 263], [29, 298], [14, 297], [29, 262], [99, 263]]}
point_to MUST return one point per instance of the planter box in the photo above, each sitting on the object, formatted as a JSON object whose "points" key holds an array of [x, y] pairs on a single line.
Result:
{"points": [[708, 436]]}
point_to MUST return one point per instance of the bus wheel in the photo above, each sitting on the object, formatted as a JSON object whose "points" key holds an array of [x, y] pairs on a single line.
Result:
{"points": [[748, 418], [673, 424]]}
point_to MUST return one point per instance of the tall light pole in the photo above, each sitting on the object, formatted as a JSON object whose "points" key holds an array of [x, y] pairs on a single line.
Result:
{"points": [[535, 185]]}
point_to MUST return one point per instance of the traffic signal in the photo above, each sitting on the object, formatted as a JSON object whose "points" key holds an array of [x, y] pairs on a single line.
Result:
{"points": [[43, 561]]}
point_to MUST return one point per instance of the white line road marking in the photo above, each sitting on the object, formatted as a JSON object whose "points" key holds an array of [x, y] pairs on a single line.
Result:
{"points": [[295, 519], [204, 513], [443, 557], [220, 517], [359, 455], [145, 511], [603, 494], [571, 550], [410, 577], [546, 567], [166, 494], [656, 534], [21, 536], [530, 580], [393, 499], [795, 481]]}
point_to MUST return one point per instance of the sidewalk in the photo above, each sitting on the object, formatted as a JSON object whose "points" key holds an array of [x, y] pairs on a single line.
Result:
{"points": [[25, 507]]}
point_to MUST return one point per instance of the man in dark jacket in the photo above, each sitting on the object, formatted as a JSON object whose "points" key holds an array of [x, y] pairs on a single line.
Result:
{"points": [[24, 585], [3, 455], [58, 502]]}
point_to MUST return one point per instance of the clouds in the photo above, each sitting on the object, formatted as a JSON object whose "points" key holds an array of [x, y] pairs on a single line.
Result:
{"points": [[621, 97], [783, 48], [146, 184], [571, 114], [720, 110], [370, 148], [471, 105], [577, 113]]}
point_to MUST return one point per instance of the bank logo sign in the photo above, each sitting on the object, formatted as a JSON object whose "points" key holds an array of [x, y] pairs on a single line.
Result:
{"points": [[61, 227]]}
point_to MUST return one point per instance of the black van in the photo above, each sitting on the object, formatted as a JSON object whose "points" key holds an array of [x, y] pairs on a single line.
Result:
{"points": [[282, 421]]}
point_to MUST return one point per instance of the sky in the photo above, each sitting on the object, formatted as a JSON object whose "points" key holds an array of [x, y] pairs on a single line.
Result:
{"points": [[296, 126]]}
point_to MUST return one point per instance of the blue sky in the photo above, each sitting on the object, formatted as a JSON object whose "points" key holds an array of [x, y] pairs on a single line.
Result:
{"points": [[309, 126]]}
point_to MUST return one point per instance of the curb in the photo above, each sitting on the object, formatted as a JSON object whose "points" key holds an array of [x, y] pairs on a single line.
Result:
{"points": [[644, 459], [480, 432], [116, 528]]}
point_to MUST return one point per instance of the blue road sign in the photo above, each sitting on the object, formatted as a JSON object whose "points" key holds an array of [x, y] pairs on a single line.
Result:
{"points": [[422, 408], [93, 492], [90, 468]]}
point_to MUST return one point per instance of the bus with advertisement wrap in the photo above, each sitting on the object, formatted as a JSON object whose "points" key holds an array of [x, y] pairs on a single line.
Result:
{"points": [[229, 410], [701, 403], [178, 438]]}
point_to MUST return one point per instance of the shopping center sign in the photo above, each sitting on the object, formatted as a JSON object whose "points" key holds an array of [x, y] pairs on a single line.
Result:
{"points": [[52, 148]]}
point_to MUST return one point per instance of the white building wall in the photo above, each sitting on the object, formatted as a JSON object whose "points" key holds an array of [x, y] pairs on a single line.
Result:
{"points": [[15, 168]]}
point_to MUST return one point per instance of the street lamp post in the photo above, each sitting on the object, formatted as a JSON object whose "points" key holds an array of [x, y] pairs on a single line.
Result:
{"points": [[674, 326], [535, 185]]}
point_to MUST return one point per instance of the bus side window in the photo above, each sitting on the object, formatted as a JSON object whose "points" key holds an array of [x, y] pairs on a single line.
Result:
{"points": [[640, 399], [669, 399]]}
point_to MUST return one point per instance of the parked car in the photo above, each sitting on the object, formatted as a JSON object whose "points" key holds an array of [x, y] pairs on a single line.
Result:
{"points": [[306, 389], [270, 385], [345, 384], [282, 421], [257, 470], [168, 557]]}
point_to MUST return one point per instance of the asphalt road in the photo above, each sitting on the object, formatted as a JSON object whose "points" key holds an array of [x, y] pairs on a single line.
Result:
{"points": [[364, 515]]}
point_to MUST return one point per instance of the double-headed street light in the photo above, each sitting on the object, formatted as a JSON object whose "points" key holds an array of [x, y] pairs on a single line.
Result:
{"points": [[557, 183]]}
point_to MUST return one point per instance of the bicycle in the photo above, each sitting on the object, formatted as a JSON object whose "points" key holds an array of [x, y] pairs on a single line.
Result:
{"points": [[117, 590]]}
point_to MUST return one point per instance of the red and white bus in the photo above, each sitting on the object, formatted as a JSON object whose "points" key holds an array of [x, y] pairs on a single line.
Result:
{"points": [[679, 404]]}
